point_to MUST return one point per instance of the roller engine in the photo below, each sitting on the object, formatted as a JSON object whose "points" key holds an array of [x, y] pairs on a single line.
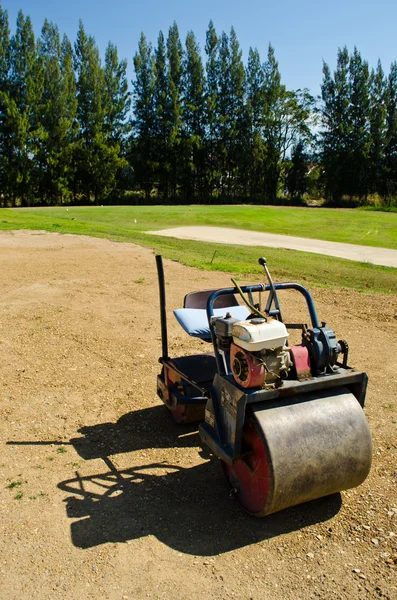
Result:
{"points": [[257, 350], [259, 356]]}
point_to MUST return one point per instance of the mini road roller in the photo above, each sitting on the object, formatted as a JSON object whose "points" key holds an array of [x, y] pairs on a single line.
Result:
{"points": [[286, 420]]}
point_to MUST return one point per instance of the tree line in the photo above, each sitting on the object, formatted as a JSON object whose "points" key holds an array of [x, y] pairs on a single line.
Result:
{"points": [[192, 127], [63, 116]]}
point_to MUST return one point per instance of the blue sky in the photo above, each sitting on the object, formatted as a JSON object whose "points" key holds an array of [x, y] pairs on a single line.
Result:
{"points": [[303, 33]]}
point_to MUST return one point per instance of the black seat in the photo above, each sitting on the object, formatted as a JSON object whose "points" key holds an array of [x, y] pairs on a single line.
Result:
{"points": [[199, 300]]}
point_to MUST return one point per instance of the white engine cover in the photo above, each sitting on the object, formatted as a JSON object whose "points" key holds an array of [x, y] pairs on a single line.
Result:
{"points": [[258, 334]]}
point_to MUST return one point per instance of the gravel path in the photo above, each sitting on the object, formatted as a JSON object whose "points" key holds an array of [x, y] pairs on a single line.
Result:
{"points": [[223, 235]]}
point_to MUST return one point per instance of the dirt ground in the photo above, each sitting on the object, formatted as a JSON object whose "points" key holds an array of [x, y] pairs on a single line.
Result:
{"points": [[103, 496]]}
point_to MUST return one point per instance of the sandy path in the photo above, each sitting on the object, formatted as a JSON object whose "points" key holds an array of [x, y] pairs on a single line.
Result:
{"points": [[224, 235], [104, 497]]}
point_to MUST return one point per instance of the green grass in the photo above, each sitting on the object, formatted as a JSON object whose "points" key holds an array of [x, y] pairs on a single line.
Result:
{"points": [[369, 228]]}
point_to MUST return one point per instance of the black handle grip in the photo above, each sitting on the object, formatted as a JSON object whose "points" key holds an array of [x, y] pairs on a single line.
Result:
{"points": [[262, 261]]}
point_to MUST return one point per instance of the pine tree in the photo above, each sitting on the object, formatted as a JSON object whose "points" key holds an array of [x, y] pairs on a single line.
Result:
{"points": [[390, 161], [230, 113], [162, 123], [67, 182], [5, 136], [273, 92], [90, 110], [223, 107], [378, 128], [359, 117], [26, 85], [117, 104], [174, 77], [237, 116], [143, 105], [99, 160], [4, 49], [336, 126], [255, 103], [117, 98], [346, 117], [211, 169], [57, 115], [193, 113]]}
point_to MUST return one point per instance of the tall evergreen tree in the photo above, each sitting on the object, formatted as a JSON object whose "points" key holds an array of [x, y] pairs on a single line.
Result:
{"points": [[5, 101], [212, 172], [390, 160], [117, 100], [99, 160], [273, 92], [68, 184], [143, 105], [174, 77], [346, 117], [237, 121], [56, 117], [4, 49], [359, 117], [255, 104], [336, 131], [193, 114], [90, 109], [230, 113], [223, 107], [26, 85], [378, 128], [162, 122]]}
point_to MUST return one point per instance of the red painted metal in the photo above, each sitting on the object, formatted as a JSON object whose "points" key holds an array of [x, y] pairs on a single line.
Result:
{"points": [[249, 477], [253, 374], [301, 359], [180, 413]]}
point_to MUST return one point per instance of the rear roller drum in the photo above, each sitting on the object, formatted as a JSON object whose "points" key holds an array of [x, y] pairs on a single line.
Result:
{"points": [[298, 450]]}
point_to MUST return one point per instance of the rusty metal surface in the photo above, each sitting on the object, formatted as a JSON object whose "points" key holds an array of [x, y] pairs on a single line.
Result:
{"points": [[316, 445]]}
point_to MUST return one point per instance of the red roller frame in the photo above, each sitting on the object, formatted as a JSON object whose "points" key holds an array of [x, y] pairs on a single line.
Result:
{"points": [[250, 477]]}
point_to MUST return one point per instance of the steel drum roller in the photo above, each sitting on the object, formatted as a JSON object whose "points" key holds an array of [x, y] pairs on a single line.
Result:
{"points": [[301, 449]]}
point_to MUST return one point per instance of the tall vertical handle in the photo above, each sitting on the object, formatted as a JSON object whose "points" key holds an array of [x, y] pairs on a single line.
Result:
{"points": [[163, 312]]}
